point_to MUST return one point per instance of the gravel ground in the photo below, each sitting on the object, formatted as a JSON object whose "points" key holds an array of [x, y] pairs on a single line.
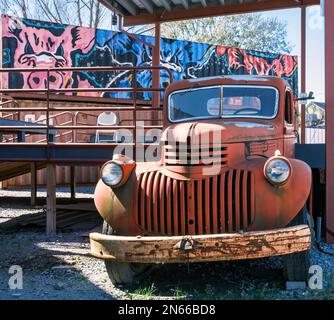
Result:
{"points": [[61, 268], [81, 192]]}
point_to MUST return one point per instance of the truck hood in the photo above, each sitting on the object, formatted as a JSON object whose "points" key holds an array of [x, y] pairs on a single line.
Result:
{"points": [[222, 132]]}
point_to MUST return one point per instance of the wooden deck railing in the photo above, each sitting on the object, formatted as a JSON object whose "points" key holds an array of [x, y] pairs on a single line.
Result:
{"points": [[51, 110]]}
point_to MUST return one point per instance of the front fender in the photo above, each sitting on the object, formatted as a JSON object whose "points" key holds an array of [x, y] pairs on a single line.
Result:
{"points": [[116, 206], [276, 206]]}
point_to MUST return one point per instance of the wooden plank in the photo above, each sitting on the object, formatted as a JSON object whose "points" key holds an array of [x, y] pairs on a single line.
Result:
{"points": [[51, 199], [75, 219], [13, 169], [62, 218], [303, 73], [214, 247], [86, 206], [33, 173]]}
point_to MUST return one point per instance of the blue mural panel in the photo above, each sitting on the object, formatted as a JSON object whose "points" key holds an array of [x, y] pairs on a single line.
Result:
{"points": [[29, 43]]}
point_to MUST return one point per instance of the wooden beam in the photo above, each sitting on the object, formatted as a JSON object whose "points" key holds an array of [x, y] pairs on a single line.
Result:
{"points": [[185, 4], [329, 100], [51, 199], [114, 7], [33, 175], [166, 4], [147, 5], [303, 72], [128, 5], [73, 182], [201, 248], [217, 10]]}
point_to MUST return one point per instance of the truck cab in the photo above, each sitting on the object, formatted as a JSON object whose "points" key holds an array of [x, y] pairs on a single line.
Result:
{"points": [[227, 185]]}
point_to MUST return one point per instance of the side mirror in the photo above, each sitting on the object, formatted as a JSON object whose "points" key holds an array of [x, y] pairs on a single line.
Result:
{"points": [[303, 97]]}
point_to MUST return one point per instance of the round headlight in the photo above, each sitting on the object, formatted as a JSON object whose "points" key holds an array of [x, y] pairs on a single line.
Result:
{"points": [[277, 170], [111, 174]]}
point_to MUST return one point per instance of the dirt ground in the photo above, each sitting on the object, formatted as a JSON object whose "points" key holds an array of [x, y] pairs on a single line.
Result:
{"points": [[61, 268]]}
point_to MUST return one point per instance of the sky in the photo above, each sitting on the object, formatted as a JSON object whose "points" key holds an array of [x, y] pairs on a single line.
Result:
{"points": [[314, 44]]}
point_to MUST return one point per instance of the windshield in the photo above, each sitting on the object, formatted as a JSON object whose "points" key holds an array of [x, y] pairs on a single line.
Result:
{"points": [[237, 101], [198, 103]]}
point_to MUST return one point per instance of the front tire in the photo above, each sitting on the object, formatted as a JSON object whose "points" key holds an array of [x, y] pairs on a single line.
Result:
{"points": [[123, 272], [296, 265]]}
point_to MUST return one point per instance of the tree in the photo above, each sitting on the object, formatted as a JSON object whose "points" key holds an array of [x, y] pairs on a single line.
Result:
{"points": [[89, 13], [248, 31], [15, 7]]}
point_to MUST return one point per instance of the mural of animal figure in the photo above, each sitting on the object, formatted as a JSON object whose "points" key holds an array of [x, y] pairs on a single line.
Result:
{"points": [[30, 43], [35, 44]]}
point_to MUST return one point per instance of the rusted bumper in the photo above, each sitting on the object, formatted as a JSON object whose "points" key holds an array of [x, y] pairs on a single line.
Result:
{"points": [[201, 248]]}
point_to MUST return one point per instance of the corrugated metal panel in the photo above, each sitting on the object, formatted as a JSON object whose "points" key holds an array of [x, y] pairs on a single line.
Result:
{"points": [[84, 175]]}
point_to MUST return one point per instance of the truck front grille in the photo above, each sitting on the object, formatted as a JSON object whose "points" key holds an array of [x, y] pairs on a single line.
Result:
{"points": [[218, 204], [186, 154]]}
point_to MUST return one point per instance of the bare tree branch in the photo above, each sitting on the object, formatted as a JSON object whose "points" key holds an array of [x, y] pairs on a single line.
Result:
{"points": [[15, 7], [48, 11], [79, 12], [82, 12], [57, 11], [97, 15], [91, 12]]}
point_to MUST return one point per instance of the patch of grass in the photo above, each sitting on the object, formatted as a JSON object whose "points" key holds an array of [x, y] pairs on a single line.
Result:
{"points": [[146, 291], [209, 292], [179, 293]]}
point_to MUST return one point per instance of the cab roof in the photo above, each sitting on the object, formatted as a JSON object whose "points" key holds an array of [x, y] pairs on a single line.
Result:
{"points": [[259, 80]]}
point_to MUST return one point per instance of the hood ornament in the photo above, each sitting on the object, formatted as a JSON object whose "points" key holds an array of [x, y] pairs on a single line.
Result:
{"points": [[277, 153]]}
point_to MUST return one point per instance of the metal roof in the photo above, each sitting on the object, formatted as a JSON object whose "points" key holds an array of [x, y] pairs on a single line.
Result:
{"points": [[151, 11]]}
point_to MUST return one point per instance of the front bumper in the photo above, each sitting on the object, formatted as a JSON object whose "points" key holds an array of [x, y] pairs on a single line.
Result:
{"points": [[201, 248]]}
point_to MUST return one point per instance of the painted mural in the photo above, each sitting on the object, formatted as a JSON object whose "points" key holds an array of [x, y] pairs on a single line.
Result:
{"points": [[36, 44]]}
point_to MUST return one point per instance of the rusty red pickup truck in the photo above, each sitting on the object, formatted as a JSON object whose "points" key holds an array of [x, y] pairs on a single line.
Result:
{"points": [[227, 185]]}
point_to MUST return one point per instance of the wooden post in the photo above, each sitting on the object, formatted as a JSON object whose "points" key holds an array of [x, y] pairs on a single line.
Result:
{"points": [[73, 182], [33, 175], [156, 63], [51, 199], [303, 72], [329, 100]]}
